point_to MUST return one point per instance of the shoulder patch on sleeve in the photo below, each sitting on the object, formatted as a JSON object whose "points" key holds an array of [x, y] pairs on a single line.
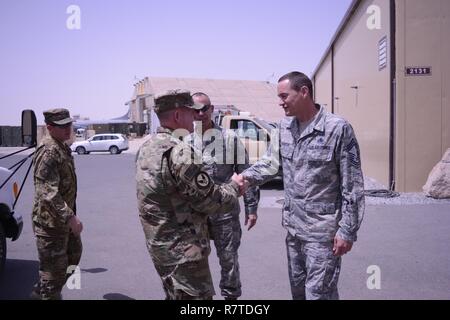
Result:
{"points": [[351, 148], [202, 180]]}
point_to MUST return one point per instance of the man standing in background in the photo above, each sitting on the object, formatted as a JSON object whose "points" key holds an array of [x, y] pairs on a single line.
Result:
{"points": [[55, 224], [225, 227]]}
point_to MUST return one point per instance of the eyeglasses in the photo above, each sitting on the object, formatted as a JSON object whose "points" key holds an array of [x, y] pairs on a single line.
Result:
{"points": [[205, 108]]}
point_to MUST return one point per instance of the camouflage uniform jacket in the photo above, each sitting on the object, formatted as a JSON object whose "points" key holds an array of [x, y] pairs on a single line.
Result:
{"points": [[223, 154], [174, 199], [324, 188], [55, 184]]}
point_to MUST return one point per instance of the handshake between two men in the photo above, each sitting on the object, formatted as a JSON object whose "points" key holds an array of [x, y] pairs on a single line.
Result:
{"points": [[242, 182]]}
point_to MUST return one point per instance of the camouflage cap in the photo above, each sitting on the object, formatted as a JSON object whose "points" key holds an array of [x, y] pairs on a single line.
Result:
{"points": [[57, 116], [174, 99]]}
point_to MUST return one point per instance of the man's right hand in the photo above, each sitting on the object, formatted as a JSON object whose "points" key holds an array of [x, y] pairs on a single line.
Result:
{"points": [[341, 246], [75, 225], [243, 184]]}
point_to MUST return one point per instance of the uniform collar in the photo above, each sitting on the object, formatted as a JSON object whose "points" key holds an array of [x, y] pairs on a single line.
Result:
{"points": [[164, 130], [62, 145], [318, 123]]}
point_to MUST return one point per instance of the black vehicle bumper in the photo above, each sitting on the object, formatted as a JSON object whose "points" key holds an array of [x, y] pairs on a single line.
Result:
{"points": [[15, 226]]}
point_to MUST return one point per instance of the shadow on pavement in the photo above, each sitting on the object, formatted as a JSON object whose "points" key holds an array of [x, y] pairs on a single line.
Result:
{"points": [[18, 279], [117, 296], [94, 270]]}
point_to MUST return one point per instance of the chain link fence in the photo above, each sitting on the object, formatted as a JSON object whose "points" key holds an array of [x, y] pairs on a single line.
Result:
{"points": [[10, 136]]}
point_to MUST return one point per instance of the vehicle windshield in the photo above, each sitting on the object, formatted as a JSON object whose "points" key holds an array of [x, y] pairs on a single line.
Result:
{"points": [[264, 124]]}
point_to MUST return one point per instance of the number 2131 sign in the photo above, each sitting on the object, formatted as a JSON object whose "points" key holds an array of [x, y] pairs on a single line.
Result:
{"points": [[418, 71]]}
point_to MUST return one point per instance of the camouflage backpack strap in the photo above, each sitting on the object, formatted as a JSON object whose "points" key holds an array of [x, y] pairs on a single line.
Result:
{"points": [[169, 180], [166, 163]]}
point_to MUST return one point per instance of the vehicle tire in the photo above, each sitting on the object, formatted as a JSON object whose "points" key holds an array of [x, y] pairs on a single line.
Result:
{"points": [[80, 150], [2, 248], [114, 150]]}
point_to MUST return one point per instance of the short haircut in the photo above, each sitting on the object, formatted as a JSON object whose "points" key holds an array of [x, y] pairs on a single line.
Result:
{"points": [[297, 80]]}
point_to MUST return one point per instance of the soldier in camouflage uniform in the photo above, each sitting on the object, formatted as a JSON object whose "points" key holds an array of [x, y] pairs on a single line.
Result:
{"points": [[175, 195], [54, 219], [223, 155], [324, 189]]}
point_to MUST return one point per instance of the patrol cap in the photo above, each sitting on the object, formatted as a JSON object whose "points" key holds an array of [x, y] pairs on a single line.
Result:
{"points": [[57, 116], [175, 99]]}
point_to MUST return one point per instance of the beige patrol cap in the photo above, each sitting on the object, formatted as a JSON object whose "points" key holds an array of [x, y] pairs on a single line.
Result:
{"points": [[175, 99], [59, 116]]}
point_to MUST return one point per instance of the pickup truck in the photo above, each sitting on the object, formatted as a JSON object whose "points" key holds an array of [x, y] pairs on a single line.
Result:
{"points": [[253, 132], [11, 221]]}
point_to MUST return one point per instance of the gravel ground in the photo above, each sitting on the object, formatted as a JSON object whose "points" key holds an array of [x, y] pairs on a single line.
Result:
{"points": [[404, 198]]}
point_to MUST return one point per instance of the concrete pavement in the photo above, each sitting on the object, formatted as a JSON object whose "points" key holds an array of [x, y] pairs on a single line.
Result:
{"points": [[409, 244]]}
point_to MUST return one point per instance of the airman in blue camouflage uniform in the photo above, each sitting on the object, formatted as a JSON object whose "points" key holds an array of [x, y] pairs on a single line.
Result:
{"points": [[175, 196], [223, 154], [324, 189]]}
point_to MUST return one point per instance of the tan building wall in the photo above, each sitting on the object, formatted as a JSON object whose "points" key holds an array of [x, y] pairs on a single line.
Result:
{"points": [[140, 103], [323, 85], [423, 105], [367, 105]]}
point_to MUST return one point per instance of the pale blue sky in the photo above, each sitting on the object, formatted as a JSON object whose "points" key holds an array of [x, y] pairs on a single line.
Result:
{"points": [[91, 71]]}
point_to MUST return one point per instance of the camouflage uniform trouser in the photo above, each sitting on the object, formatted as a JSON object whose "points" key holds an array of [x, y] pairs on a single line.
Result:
{"points": [[56, 253], [226, 234], [187, 281], [313, 269]]}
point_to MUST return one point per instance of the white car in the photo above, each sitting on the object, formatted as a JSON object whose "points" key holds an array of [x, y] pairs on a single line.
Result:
{"points": [[114, 143]]}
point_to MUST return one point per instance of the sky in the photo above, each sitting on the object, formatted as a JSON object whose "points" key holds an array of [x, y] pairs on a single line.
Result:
{"points": [[90, 68]]}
